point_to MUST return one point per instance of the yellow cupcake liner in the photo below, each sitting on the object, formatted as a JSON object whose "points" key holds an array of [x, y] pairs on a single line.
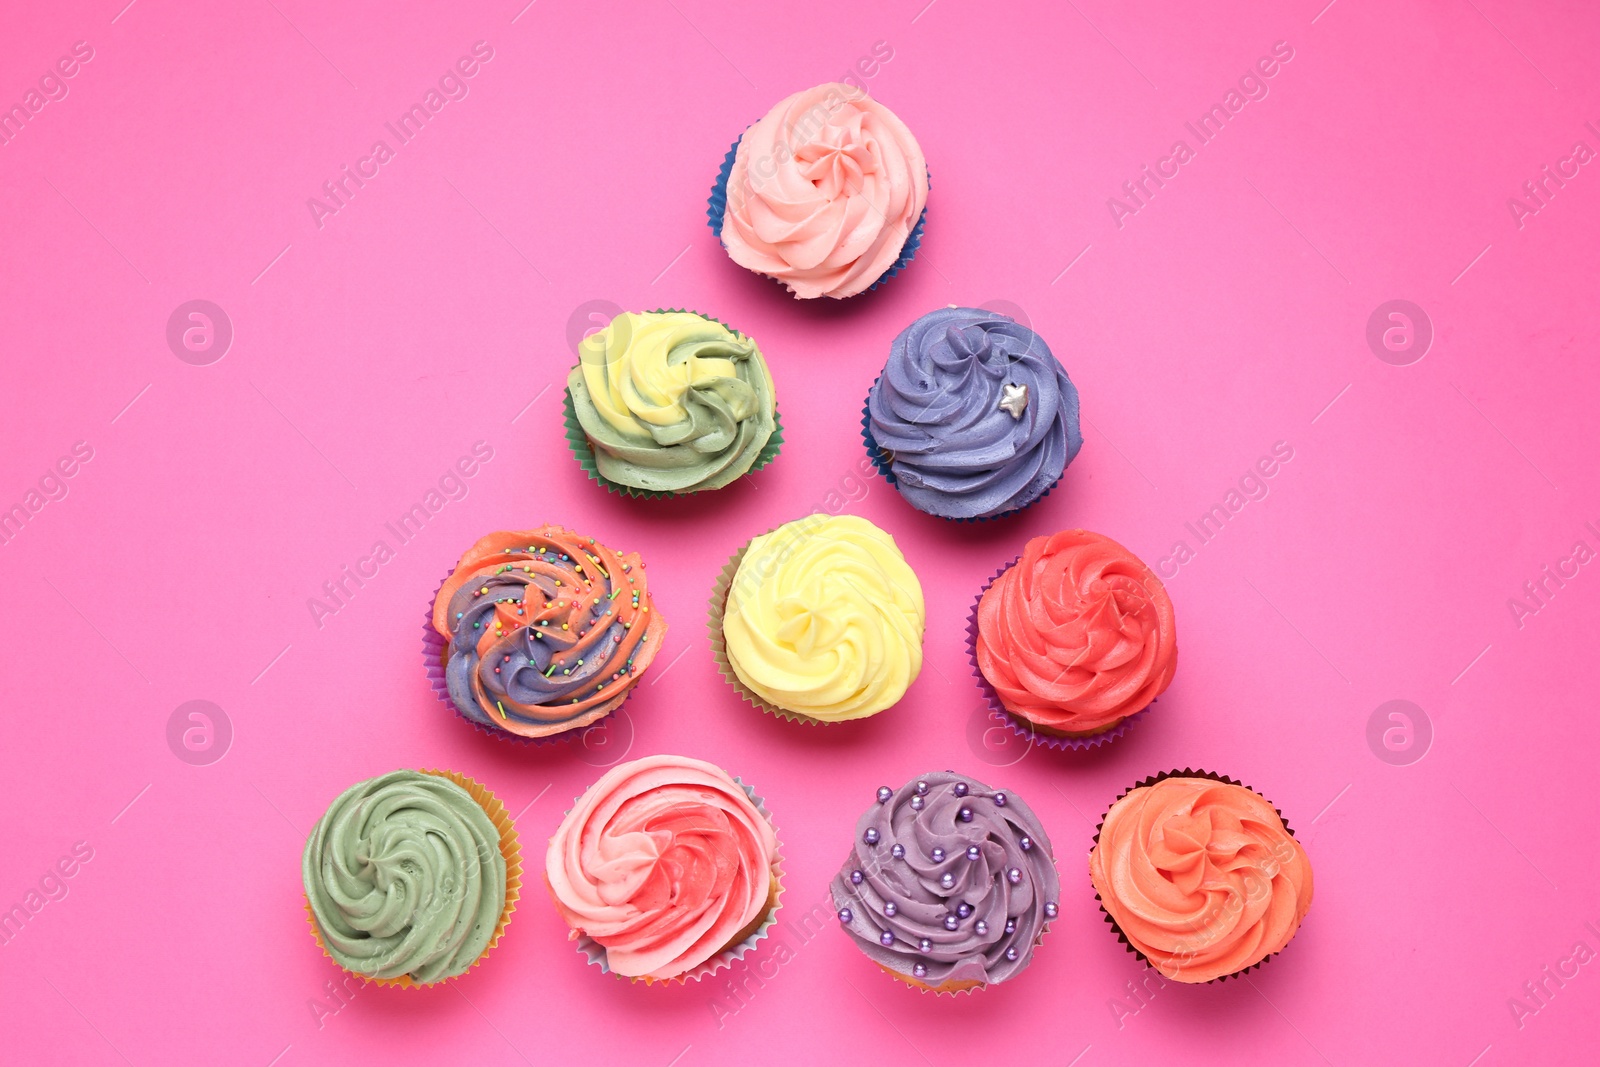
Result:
{"points": [[510, 848]]}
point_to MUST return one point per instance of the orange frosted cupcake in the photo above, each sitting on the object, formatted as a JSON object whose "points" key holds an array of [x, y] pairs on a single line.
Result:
{"points": [[1199, 876], [538, 632], [1073, 640]]}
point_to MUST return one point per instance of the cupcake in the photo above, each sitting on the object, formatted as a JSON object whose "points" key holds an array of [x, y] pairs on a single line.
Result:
{"points": [[949, 885], [1073, 639], [1199, 876], [819, 621], [826, 194], [972, 418], [411, 877], [531, 635], [669, 402], [666, 869]]}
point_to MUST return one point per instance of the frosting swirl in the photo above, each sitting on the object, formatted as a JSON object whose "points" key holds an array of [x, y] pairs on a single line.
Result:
{"points": [[948, 881], [548, 631], [973, 413], [1076, 635], [671, 401], [824, 191], [824, 618], [405, 876], [1200, 876], [666, 862]]}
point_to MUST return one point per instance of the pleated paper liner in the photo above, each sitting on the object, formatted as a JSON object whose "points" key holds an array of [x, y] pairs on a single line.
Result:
{"points": [[583, 450], [510, 848], [1152, 780], [436, 653], [1022, 727], [717, 210], [742, 945], [719, 646], [883, 459]]}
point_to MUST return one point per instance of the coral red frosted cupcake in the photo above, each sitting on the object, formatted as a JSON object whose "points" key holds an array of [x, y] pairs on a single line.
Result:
{"points": [[826, 194], [538, 632], [1199, 876], [667, 868], [1074, 639]]}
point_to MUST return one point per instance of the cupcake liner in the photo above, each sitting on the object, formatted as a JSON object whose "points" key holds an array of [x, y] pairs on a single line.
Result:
{"points": [[595, 952], [1152, 780], [1022, 727], [583, 451], [880, 460], [719, 645], [717, 208], [510, 848], [434, 649]]}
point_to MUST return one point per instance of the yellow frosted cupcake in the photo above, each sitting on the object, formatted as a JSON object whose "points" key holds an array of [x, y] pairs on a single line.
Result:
{"points": [[819, 621]]}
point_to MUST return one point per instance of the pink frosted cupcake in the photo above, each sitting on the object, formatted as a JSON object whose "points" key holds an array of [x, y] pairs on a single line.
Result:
{"points": [[825, 194], [667, 869], [1074, 639]]}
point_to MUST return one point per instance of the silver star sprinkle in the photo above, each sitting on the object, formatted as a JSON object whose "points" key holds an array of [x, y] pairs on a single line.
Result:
{"points": [[1014, 400]]}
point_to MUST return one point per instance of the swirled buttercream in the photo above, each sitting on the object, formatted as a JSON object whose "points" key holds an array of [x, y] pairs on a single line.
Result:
{"points": [[824, 618], [973, 414], [405, 877], [666, 862], [949, 883], [671, 401], [1200, 876], [1076, 635], [547, 631], [824, 191]]}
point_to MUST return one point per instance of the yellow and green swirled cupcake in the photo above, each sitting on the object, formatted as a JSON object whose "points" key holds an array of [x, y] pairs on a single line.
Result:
{"points": [[820, 620], [664, 403]]}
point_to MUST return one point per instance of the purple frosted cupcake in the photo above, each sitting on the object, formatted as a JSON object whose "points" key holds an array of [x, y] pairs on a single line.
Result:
{"points": [[973, 417]]}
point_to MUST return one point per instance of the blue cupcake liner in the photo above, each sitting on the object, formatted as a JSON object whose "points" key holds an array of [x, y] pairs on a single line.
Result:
{"points": [[876, 454], [1024, 729], [717, 207]]}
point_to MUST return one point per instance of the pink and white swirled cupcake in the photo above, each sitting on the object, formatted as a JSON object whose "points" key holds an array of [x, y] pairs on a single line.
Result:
{"points": [[1199, 876], [666, 869], [826, 194], [1074, 639]]}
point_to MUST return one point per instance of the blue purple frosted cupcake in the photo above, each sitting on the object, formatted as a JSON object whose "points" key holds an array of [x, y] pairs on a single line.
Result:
{"points": [[972, 417]]}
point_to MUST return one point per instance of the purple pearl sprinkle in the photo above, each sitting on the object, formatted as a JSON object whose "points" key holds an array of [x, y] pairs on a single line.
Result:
{"points": [[925, 945], [980, 928], [884, 794], [1050, 909], [999, 800], [898, 852], [916, 803], [965, 815], [938, 855], [886, 939], [1025, 843], [846, 916], [947, 880], [1014, 876], [871, 836], [922, 788], [951, 922], [1011, 953], [856, 877], [1011, 926], [919, 971], [959, 789], [974, 852], [964, 909], [890, 908]]}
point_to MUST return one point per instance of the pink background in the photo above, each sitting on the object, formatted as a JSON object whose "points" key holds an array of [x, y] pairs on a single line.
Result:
{"points": [[433, 311]]}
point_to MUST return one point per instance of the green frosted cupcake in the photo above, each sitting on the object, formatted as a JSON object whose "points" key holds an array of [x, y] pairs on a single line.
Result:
{"points": [[664, 403]]}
